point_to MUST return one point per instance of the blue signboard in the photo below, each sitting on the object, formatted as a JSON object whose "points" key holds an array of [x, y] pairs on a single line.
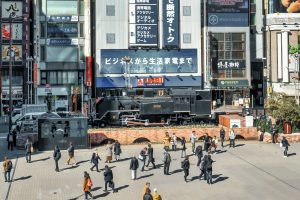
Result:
{"points": [[171, 23], [228, 20], [62, 42], [149, 61], [62, 28], [143, 23], [228, 6], [62, 18]]}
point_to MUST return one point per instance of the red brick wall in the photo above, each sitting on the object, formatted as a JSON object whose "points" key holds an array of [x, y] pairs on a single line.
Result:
{"points": [[295, 137], [155, 135]]}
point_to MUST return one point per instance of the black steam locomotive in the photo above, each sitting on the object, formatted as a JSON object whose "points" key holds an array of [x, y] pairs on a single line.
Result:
{"points": [[170, 106]]}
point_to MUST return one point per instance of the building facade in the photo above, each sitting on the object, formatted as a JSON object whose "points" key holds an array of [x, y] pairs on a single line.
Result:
{"points": [[16, 14], [282, 48], [147, 45], [62, 47]]}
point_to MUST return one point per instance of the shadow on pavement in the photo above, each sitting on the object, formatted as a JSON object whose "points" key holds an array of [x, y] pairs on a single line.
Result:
{"points": [[239, 145], [121, 160], [145, 176], [103, 169], [43, 159], [96, 188], [158, 166], [101, 195], [216, 175], [194, 178], [219, 179], [220, 151], [122, 187], [83, 161], [22, 178], [176, 171], [72, 167], [291, 154]]}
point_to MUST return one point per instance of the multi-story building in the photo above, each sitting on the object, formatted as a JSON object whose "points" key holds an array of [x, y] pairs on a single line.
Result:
{"points": [[16, 14], [62, 47], [162, 39], [282, 47], [226, 39]]}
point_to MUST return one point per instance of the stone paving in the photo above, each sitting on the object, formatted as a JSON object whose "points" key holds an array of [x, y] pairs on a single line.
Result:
{"points": [[252, 170]]}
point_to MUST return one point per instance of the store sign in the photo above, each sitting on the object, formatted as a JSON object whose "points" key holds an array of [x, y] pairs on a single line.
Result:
{"points": [[11, 8], [171, 23], [62, 28], [150, 82], [35, 75], [16, 31], [231, 64], [232, 83], [16, 52], [228, 20], [62, 18], [228, 6], [143, 23], [149, 61], [62, 42], [89, 71]]}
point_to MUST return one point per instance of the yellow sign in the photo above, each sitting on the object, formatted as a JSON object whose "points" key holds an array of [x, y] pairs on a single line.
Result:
{"points": [[270, 90]]}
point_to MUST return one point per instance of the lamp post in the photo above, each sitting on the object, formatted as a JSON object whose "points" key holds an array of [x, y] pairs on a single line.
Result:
{"points": [[127, 60]]}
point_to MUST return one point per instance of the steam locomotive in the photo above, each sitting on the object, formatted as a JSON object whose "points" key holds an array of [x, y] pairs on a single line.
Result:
{"points": [[169, 106]]}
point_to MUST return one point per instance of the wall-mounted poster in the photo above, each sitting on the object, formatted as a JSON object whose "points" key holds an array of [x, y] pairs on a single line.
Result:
{"points": [[16, 51], [13, 8], [16, 31], [284, 6]]}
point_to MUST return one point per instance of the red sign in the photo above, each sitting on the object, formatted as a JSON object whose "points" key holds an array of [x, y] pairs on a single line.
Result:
{"points": [[140, 82], [35, 75], [89, 71], [151, 81]]}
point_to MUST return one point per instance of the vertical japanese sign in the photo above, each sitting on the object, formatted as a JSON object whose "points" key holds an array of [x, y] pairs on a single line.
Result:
{"points": [[88, 71], [35, 75], [171, 23], [143, 23]]}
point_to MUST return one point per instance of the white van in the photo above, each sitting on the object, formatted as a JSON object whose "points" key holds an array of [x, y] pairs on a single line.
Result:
{"points": [[28, 118]]}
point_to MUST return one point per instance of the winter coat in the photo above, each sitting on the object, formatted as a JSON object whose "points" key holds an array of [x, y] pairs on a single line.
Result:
{"points": [[143, 154], [150, 153], [156, 196], [117, 148], [108, 175], [232, 135], [199, 151], [147, 196], [222, 134], [28, 146], [285, 143], [167, 158], [166, 141], [6, 165], [208, 164], [174, 140], [134, 164], [86, 188], [186, 165], [193, 138], [183, 144], [95, 158], [9, 138], [109, 148], [71, 151], [56, 154]]}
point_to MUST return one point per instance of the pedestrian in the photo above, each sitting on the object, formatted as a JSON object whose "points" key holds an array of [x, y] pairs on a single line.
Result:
{"points": [[167, 162], [134, 165], [117, 150], [193, 139], [14, 132], [109, 149], [155, 195], [203, 168], [273, 133], [209, 169], [142, 157], [214, 144], [199, 154], [147, 195], [56, 157], [7, 165], [185, 165], [146, 187], [28, 147], [108, 179], [95, 160], [150, 156], [183, 147], [206, 142], [87, 185], [285, 145], [166, 141], [174, 142], [222, 136], [232, 138], [10, 141], [71, 152]]}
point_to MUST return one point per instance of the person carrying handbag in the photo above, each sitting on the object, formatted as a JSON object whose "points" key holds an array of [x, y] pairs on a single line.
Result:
{"points": [[87, 185]]}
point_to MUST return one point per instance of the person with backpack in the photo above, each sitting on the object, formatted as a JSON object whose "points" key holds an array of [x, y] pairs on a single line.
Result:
{"points": [[108, 179], [222, 136], [183, 147], [232, 138], [150, 156], [167, 162], [193, 139], [142, 157], [10, 140], [285, 145], [185, 165], [95, 160], [209, 169], [28, 147], [134, 165], [199, 154], [117, 150], [203, 168], [87, 185], [56, 157], [71, 151], [7, 165]]}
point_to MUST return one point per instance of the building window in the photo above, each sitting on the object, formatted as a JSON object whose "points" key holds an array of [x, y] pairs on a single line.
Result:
{"points": [[81, 30], [60, 77], [42, 53], [187, 38], [110, 38], [43, 29], [81, 7], [43, 77], [62, 7], [81, 53], [252, 18], [186, 11], [110, 10]]}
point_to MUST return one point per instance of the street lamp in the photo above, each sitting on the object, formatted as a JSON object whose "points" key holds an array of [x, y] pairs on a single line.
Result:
{"points": [[127, 60], [12, 17]]}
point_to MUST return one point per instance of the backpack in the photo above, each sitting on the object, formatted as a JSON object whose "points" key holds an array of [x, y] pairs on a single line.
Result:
{"points": [[9, 167], [89, 182]]}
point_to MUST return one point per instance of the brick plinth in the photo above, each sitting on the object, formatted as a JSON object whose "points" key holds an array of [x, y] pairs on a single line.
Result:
{"points": [[155, 135], [295, 137]]}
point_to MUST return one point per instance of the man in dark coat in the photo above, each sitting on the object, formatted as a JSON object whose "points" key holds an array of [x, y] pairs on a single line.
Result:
{"points": [[206, 142], [167, 162], [108, 178], [285, 146], [209, 169], [28, 147], [142, 157], [117, 150], [203, 168], [95, 160], [222, 136], [10, 140], [134, 165], [71, 154], [150, 156], [56, 157], [199, 154], [186, 167]]}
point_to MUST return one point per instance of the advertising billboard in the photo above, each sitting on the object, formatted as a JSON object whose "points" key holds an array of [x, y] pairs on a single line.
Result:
{"points": [[62, 30], [16, 31], [149, 61], [16, 51], [225, 6], [284, 6], [13, 8]]}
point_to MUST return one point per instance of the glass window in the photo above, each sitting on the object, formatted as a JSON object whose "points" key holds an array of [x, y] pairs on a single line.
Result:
{"points": [[252, 18], [42, 7], [52, 78], [241, 73], [81, 30], [72, 78], [110, 38], [59, 78], [65, 77], [42, 55], [62, 7], [186, 11], [82, 53], [62, 54], [62, 30], [110, 10], [187, 38], [81, 7], [43, 29]]}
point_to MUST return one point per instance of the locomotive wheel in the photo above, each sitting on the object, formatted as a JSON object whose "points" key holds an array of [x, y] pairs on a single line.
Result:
{"points": [[101, 124]]}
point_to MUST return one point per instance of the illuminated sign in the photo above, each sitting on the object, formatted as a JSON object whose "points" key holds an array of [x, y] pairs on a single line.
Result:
{"points": [[150, 81]]}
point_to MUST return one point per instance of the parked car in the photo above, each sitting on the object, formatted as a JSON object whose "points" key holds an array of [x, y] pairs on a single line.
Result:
{"points": [[15, 118]]}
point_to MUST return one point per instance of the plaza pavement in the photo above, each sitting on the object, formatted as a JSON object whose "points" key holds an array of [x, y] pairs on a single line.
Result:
{"points": [[252, 170]]}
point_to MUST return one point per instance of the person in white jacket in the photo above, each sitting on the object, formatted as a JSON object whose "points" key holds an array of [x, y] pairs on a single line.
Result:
{"points": [[174, 142], [232, 138]]}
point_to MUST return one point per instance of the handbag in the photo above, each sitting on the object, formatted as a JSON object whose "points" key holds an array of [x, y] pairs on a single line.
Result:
{"points": [[89, 183], [141, 157]]}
